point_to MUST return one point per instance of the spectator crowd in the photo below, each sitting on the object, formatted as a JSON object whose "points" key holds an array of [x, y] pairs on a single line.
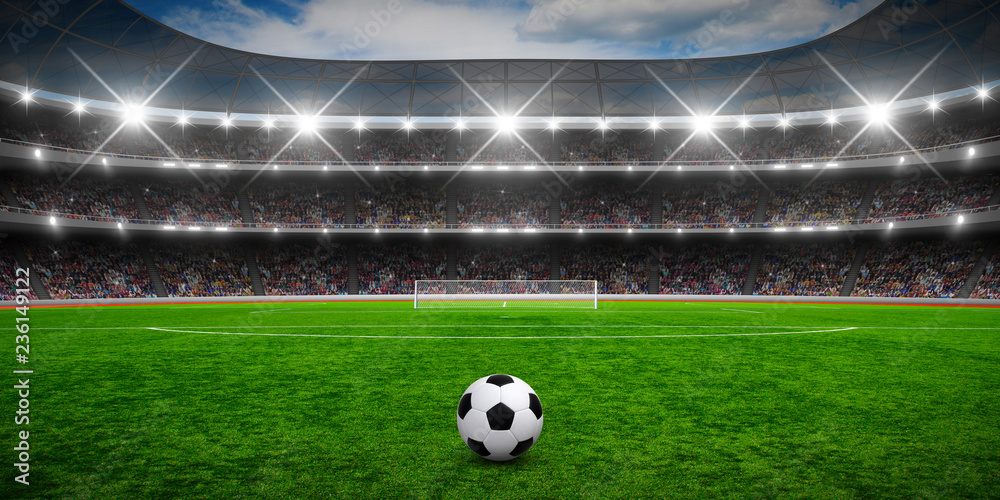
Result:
{"points": [[90, 269], [605, 205], [202, 270], [704, 204], [703, 269], [502, 205], [291, 204], [295, 269], [935, 269], [795, 204], [803, 269], [616, 268], [393, 268]]}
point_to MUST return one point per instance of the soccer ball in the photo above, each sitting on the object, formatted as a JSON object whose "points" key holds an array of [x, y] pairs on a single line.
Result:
{"points": [[499, 417]]}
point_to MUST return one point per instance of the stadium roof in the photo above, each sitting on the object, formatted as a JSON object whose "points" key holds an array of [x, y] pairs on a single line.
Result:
{"points": [[104, 50]]}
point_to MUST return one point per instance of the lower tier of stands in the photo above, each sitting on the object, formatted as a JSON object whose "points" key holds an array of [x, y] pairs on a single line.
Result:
{"points": [[71, 269]]}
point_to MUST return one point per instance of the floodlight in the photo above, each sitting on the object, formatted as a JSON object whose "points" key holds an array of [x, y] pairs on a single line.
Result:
{"points": [[133, 113], [878, 114], [408, 125], [308, 124], [891, 224], [961, 219], [602, 125], [52, 220], [933, 105], [832, 120], [460, 125], [984, 93], [972, 151], [79, 108], [227, 122], [119, 225], [744, 123], [268, 122], [553, 125], [182, 120], [783, 122], [38, 153], [104, 161], [702, 123], [505, 124]]}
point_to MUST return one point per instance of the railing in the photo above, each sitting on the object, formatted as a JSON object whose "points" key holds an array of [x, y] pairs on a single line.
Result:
{"points": [[624, 164], [667, 224]]}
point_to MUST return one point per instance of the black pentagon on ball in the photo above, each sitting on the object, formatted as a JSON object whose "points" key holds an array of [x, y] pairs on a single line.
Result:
{"points": [[522, 447], [535, 405], [501, 417], [500, 380], [465, 405], [478, 447]]}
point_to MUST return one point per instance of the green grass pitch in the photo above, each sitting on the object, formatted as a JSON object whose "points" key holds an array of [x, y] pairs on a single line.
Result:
{"points": [[641, 399]]}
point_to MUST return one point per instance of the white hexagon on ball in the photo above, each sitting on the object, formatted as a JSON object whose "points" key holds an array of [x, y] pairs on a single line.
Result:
{"points": [[499, 417]]}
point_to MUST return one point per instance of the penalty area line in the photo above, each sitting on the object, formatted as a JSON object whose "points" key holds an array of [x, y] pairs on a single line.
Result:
{"points": [[542, 337]]}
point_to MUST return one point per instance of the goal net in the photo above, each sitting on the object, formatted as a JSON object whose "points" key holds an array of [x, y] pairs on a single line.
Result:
{"points": [[505, 293]]}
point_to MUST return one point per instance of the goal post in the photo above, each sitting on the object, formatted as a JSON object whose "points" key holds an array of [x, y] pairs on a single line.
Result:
{"points": [[442, 294]]}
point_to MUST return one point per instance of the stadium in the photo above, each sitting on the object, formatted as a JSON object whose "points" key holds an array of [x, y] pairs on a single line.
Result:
{"points": [[769, 275]]}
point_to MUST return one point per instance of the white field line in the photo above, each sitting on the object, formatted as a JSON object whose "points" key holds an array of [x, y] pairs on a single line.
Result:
{"points": [[545, 337], [743, 311], [969, 328], [270, 310]]}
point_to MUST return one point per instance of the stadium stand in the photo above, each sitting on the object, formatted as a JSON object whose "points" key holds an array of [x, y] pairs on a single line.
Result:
{"points": [[607, 147], [186, 203], [605, 205], [201, 270], [706, 204], [294, 269], [803, 269], [400, 147], [917, 269], [499, 147], [9, 274], [989, 283], [517, 204], [403, 204], [503, 262], [77, 197], [392, 269], [90, 269], [617, 268], [703, 269], [798, 204], [927, 198], [292, 204]]}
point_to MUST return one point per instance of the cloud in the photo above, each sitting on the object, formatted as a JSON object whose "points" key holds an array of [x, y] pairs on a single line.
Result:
{"points": [[467, 29]]}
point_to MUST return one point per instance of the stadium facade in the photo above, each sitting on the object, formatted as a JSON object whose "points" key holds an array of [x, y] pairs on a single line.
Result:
{"points": [[744, 132]]}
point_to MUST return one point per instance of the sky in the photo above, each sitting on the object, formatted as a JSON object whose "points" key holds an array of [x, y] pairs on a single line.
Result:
{"points": [[505, 29]]}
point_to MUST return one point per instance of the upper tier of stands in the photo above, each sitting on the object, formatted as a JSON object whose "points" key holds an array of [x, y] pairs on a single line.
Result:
{"points": [[924, 132], [391, 202]]}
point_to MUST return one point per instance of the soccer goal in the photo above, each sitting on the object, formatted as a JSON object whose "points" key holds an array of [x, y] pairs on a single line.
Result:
{"points": [[579, 294]]}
